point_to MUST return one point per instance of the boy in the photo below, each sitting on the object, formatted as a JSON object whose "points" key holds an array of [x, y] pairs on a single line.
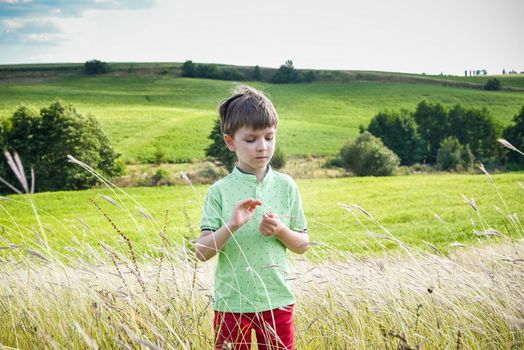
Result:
{"points": [[250, 217]]}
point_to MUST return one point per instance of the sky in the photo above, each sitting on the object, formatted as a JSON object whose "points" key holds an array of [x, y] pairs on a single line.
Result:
{"points": [[416, 36]]}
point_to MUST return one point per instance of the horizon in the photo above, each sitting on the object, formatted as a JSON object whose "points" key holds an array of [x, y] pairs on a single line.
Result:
{"points": [[407, 36], [507, 73]]}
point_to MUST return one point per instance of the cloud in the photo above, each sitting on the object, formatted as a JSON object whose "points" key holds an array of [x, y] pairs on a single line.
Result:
{"points": [[30, 22], [30, 32], [66, 8]]}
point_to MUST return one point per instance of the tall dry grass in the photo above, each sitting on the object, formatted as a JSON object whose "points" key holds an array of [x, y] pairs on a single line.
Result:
{"points": [[411, 298]]}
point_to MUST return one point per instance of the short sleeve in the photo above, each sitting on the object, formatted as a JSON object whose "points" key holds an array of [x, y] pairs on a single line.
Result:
{"points": [[298, 219], [211, 213]]}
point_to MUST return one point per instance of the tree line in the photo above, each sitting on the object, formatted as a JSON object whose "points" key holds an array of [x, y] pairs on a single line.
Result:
{"points": [[285, 74], [446, 138]]}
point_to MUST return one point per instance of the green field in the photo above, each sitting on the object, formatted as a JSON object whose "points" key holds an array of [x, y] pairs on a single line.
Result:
{"points": [[146, 115], [404, 205], [452, 284]]}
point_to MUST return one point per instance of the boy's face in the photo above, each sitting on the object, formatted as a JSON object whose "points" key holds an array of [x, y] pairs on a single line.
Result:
{"points": [[254, 148]]}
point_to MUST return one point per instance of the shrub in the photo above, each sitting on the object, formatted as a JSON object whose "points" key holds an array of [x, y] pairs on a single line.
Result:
{"points": [[492, 85], [367, 156], [94, 67], [231, 74], [279, 159], [160, 178], [309, 77], [454, 156], [43, 141], [210, 71], [160, 155]]}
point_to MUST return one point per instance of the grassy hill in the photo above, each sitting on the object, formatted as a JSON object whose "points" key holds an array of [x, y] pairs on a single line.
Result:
{"points": [[147, 110]]}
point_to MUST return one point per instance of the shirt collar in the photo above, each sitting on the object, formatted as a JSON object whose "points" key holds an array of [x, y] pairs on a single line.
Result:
{"points": [[251, 177]]}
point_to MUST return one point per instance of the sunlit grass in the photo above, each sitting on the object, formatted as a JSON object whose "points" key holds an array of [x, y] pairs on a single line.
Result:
{"points": [[100, 294], [408, 205]]}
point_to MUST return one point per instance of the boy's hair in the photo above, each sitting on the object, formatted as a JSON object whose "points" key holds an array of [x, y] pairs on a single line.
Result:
{"points": [[247, 107]]}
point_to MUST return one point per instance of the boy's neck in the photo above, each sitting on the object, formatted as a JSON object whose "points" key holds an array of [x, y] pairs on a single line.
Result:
{"points": [[259, 173]]}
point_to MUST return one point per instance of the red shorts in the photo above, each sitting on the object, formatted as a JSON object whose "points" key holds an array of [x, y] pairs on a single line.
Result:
{"points": [[274, 329]]}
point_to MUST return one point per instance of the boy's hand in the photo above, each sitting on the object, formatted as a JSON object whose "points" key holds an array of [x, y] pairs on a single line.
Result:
{"points": [[242, 212], [271, 225]]}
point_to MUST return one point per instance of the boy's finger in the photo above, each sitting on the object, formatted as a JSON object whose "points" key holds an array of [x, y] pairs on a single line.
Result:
{"points": [[250, 202], [269, 220], [266, 230]]}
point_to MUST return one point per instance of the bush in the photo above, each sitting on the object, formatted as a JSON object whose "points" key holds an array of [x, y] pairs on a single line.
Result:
{"points": [[210, 71], [94, 67], [231, 74], [279, 159], [492, 85], [309, 77], [161, 178], [43, 141], [454, 156], [367, 156]]}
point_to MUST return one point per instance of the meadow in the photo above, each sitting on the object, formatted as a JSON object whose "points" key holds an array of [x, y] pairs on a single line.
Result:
{"points": [[150, 117], [411, 265], [428, 261], [416, 209]]}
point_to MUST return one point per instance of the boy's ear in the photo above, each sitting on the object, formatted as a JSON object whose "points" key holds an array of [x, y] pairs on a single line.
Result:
{"points": [[229, 142]]}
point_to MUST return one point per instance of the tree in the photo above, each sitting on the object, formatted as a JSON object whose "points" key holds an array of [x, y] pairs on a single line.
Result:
{"points": [[218, 149], [188, 69], [453, 156], [309, 77], [492, 85], [367, 156], [207, 71], [514, 134], [257, 73], [43, 141], [433, 126], [287, 74], [476, 128], [94, 67], [230, 74], [398, 131]]}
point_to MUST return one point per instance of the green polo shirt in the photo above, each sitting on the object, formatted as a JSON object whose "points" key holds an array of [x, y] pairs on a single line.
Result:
{"points": [[251, 274]]}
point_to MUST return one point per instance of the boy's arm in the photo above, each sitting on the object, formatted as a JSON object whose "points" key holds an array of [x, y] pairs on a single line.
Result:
{"points": [[297, 242], [210, 242]]}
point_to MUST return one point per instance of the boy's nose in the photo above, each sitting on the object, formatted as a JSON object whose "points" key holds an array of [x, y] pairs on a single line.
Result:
{"points": [[262, 145]]}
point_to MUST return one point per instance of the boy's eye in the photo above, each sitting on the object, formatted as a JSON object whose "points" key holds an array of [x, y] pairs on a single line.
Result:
{"points": [[269, 138], [250, 140]]}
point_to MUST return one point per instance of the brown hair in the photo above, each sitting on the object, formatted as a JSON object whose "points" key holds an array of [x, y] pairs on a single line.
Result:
{"points": [[247, 107]]}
